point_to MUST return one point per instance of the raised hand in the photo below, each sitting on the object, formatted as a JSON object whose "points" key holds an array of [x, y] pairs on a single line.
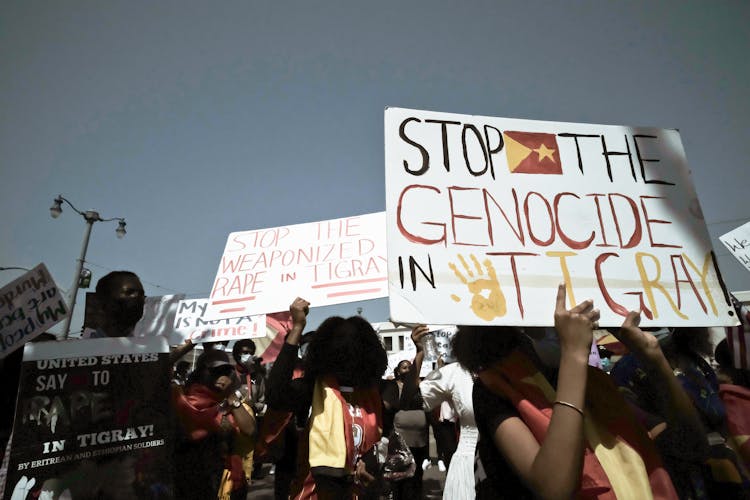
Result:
{"points": [[575, 326], [417, 334], [642, 344], [486, 307], [299, 309]]}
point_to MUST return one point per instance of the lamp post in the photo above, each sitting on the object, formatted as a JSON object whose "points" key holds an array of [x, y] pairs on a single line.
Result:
{"points": [[90, 216]]}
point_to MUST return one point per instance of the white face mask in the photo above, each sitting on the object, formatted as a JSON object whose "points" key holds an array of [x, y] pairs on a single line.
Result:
{"points": [[219, 347], [244, 358]]}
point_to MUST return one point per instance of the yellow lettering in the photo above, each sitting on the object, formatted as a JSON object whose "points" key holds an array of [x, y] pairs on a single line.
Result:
{"points": [[704, 281], [650, 284]]}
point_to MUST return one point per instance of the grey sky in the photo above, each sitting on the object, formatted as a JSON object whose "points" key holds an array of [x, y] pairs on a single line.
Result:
{"points": [[194, 119]]}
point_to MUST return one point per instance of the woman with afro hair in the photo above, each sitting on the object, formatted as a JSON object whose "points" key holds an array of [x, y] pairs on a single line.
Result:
{"points": [[343, 363]]}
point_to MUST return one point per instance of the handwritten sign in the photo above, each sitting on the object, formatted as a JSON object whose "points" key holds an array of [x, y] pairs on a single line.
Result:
{"points": [[443, 342], [191, 322], [738, 243], [328, 262], [91, 416], [486, 216], [29, 305]]}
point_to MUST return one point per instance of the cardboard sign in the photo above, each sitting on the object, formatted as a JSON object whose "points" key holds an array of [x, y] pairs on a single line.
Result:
{"points": [[486, 216], [93, 419], [191, 323], [328, 262], [29, 305], [738, 243]]}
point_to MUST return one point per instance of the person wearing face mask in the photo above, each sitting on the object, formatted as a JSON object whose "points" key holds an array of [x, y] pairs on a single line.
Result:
{"points": [[251, 373], [121, 298], [216, 429]]}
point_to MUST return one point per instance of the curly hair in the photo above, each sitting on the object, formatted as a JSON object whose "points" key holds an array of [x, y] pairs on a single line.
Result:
{"points": [[238, 345], [348, 349], [477, 347]]}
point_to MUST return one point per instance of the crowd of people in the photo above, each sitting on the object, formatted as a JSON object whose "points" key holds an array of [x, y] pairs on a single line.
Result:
{"points": [[510, 419]]}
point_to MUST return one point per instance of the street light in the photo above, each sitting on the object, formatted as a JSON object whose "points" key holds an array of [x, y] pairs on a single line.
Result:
{"points": [[90, 216]]}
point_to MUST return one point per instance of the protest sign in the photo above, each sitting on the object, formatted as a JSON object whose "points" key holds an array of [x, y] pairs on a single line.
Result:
{"points": [[486, 216], [327, 262], [738, 243], [94, 419], [191, 323], [443, 338], [158, 316], [29, 305]]}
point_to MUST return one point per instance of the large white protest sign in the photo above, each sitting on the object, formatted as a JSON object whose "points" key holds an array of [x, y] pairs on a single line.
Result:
{"points": [[738, 243], [191, 322], [327, 262], [486, 216], [29, 306]]}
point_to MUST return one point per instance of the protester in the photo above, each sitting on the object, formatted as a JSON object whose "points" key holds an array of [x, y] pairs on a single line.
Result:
{"points": [[251, 373], [444, 423], [121, 299], [404, 411], [216, 429], [279, 438], [715, 475], [452, 383], [734, 390], [343, 365], [578, 439]]}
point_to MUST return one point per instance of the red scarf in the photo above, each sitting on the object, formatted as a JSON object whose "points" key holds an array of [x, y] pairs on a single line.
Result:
{"points": [[198, 412], [515, 378]]}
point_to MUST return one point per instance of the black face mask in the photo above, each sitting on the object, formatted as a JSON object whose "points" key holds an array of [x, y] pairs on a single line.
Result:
{"points": [[128, 311]]}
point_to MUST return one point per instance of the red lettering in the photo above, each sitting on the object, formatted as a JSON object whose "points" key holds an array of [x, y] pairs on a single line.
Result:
{"points": [[655, 221], [635, 238], [542, 243], [576, 245], [399, 220]]}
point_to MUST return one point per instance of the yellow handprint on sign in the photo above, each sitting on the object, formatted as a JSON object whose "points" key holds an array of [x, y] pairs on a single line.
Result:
{"points": [[486, 307]]}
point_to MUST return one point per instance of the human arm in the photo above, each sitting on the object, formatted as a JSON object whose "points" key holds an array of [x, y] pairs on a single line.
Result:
{"points": [[299, 309], [434, 390], [686, 433], [552, 469], [417, 334], [243, 418], [179, 351], [282, 391]]}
